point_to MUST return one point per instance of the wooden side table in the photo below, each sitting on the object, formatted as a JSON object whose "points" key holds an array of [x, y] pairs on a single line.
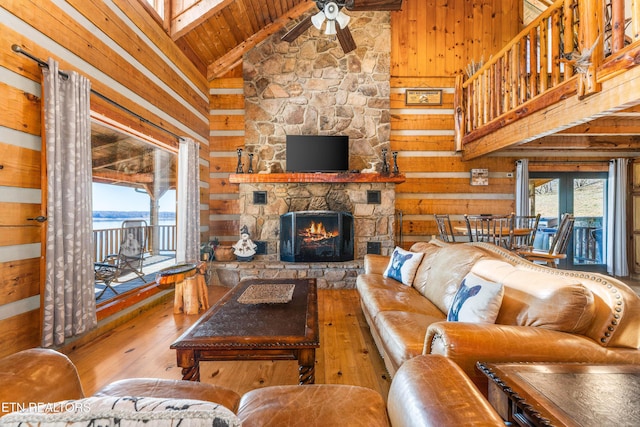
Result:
{"points": [[564, 394]]}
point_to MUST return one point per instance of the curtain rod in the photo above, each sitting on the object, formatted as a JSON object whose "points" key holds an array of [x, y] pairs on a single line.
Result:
{"points": [[43, 64]]}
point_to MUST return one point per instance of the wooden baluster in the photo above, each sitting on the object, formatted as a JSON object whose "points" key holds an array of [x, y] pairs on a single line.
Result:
{"points": [[591, 45], [555, 48], [533, 62], [617, 25], [458, 108], [506, 83], [523, 85], [635, 19], [568, 36], [514, 75], [544, 55], [499, 88]]}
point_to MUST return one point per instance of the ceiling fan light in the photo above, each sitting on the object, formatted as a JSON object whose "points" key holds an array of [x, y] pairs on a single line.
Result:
{"points": [[318, 19], [331, 28], [343, 19], [331, 10]]}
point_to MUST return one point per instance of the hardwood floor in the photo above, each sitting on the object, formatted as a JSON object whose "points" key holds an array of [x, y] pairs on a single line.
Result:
{"points": [[140, 348]]}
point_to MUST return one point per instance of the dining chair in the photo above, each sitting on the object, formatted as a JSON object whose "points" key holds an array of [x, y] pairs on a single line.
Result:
{"points": [[557, 248], [524, 231], [496, 229], [445, 230]]}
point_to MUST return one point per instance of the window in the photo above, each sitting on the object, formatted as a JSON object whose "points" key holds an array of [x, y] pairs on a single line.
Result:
{"points": [[157, 5], [132, 180]]}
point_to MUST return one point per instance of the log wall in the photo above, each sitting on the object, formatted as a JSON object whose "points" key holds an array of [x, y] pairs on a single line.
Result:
{"points": [[128, 58]]}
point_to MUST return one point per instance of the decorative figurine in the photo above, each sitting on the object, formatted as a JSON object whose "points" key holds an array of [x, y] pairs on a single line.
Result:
{"points": [[239, 166], [385, 162], [395, 163], [250, 170], [244, 249]]}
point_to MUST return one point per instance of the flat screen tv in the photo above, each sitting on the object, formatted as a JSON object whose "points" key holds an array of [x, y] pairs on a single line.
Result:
{"points": [[317, 153]]}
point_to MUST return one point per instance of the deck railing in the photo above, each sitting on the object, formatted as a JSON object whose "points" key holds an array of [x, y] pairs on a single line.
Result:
{"points": [[162, 238], [569, 49]]}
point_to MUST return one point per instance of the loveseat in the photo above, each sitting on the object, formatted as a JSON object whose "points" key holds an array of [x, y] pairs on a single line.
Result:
{"points": [[421, 394], [541, 314]]}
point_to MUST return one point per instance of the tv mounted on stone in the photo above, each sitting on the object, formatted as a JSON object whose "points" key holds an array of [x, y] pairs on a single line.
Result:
{"points": [[317, 153]]}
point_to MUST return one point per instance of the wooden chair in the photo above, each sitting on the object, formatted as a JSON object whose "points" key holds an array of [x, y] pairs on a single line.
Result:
{"points": [[557, 249], [524, 231], [496, 229], [445, 229]]}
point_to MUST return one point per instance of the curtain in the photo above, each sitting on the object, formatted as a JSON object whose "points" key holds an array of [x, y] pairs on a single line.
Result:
{"points": [[522, 187], [188, 212], [69, 297], [616, 231]]}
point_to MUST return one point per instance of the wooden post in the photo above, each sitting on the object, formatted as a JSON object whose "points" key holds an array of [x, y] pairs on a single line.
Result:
{"points": [[591, 45]]}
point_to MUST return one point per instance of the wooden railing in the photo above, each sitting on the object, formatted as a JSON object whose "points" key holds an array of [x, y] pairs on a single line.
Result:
{"points": [[559, 54], [162, 238]]}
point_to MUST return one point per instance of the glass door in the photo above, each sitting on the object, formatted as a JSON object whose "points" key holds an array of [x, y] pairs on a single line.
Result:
{"points": [[585, 196]]}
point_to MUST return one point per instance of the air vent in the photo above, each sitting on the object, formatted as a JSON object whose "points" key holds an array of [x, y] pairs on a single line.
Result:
{"points": [[373, 197]]}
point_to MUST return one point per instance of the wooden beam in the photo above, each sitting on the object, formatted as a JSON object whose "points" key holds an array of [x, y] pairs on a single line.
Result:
{"points": [[234, 56], [195, 15], [584, 142], [619, 93]]}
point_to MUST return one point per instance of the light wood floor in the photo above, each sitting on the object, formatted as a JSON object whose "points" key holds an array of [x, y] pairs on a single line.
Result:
{"points": [[140, 348]]}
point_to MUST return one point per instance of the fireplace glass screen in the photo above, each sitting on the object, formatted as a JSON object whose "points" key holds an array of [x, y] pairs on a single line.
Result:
{"points": [[316, 236]]}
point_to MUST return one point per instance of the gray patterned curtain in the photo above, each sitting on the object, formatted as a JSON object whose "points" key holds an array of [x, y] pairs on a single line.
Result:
{"points": [[616, 230], [522, 188], [69, 296], [188, 212]]}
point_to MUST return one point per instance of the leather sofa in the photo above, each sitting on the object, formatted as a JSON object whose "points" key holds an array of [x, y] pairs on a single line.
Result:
{"points": [[546, 314], [426, 391]]}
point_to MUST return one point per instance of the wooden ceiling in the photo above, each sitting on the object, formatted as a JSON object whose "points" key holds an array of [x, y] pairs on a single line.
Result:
{"points": [[215, 34]]}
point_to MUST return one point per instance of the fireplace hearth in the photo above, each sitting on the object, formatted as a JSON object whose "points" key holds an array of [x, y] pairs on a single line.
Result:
{"points": [[316, 236]]}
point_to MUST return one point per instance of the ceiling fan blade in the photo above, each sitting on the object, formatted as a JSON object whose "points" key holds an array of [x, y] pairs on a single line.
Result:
{"points": [[296, 31], [345, 38], [373, 5]]}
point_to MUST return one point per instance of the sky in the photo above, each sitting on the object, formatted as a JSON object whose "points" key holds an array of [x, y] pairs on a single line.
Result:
{"points": [[116, 198]]}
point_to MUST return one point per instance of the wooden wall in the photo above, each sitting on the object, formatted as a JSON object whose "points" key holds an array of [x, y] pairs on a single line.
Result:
{"points": [[428, 50], [128, 58], [226, 135]]}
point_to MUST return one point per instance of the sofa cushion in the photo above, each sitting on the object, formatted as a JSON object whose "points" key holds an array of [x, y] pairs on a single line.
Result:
{"points": [[378, 294], [477, 301], [449, 266], [403, 333], [424, 270], [124, 411], [403, 265], [534, 298], [313, 405]]}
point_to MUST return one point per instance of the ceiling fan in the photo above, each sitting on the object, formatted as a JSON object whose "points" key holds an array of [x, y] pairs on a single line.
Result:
{"points": [[336, 21]]}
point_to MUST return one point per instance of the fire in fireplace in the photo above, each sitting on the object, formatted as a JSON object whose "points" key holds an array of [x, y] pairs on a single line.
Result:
{"points": [[316, 236]]}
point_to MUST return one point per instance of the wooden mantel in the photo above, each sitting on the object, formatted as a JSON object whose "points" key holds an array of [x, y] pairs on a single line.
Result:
{"points": [[242, 178]]}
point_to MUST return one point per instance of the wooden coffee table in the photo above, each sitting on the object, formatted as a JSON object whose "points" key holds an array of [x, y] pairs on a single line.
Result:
{"points": [[255, 328], [565, 394]]}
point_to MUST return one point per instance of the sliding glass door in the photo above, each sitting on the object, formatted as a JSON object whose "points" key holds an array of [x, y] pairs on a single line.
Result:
{"points": [[585, 196]]}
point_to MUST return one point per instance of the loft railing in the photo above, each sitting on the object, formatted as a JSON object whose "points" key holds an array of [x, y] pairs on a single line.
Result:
{"points": [[162, 238], [569, 49]]}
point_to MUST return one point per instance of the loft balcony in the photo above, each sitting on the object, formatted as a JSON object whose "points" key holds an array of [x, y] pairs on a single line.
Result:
{"points": [[572, 72]]}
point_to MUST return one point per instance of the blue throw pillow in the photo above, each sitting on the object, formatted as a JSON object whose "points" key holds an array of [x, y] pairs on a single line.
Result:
{"points": [[477, 301], [403, 266]]}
